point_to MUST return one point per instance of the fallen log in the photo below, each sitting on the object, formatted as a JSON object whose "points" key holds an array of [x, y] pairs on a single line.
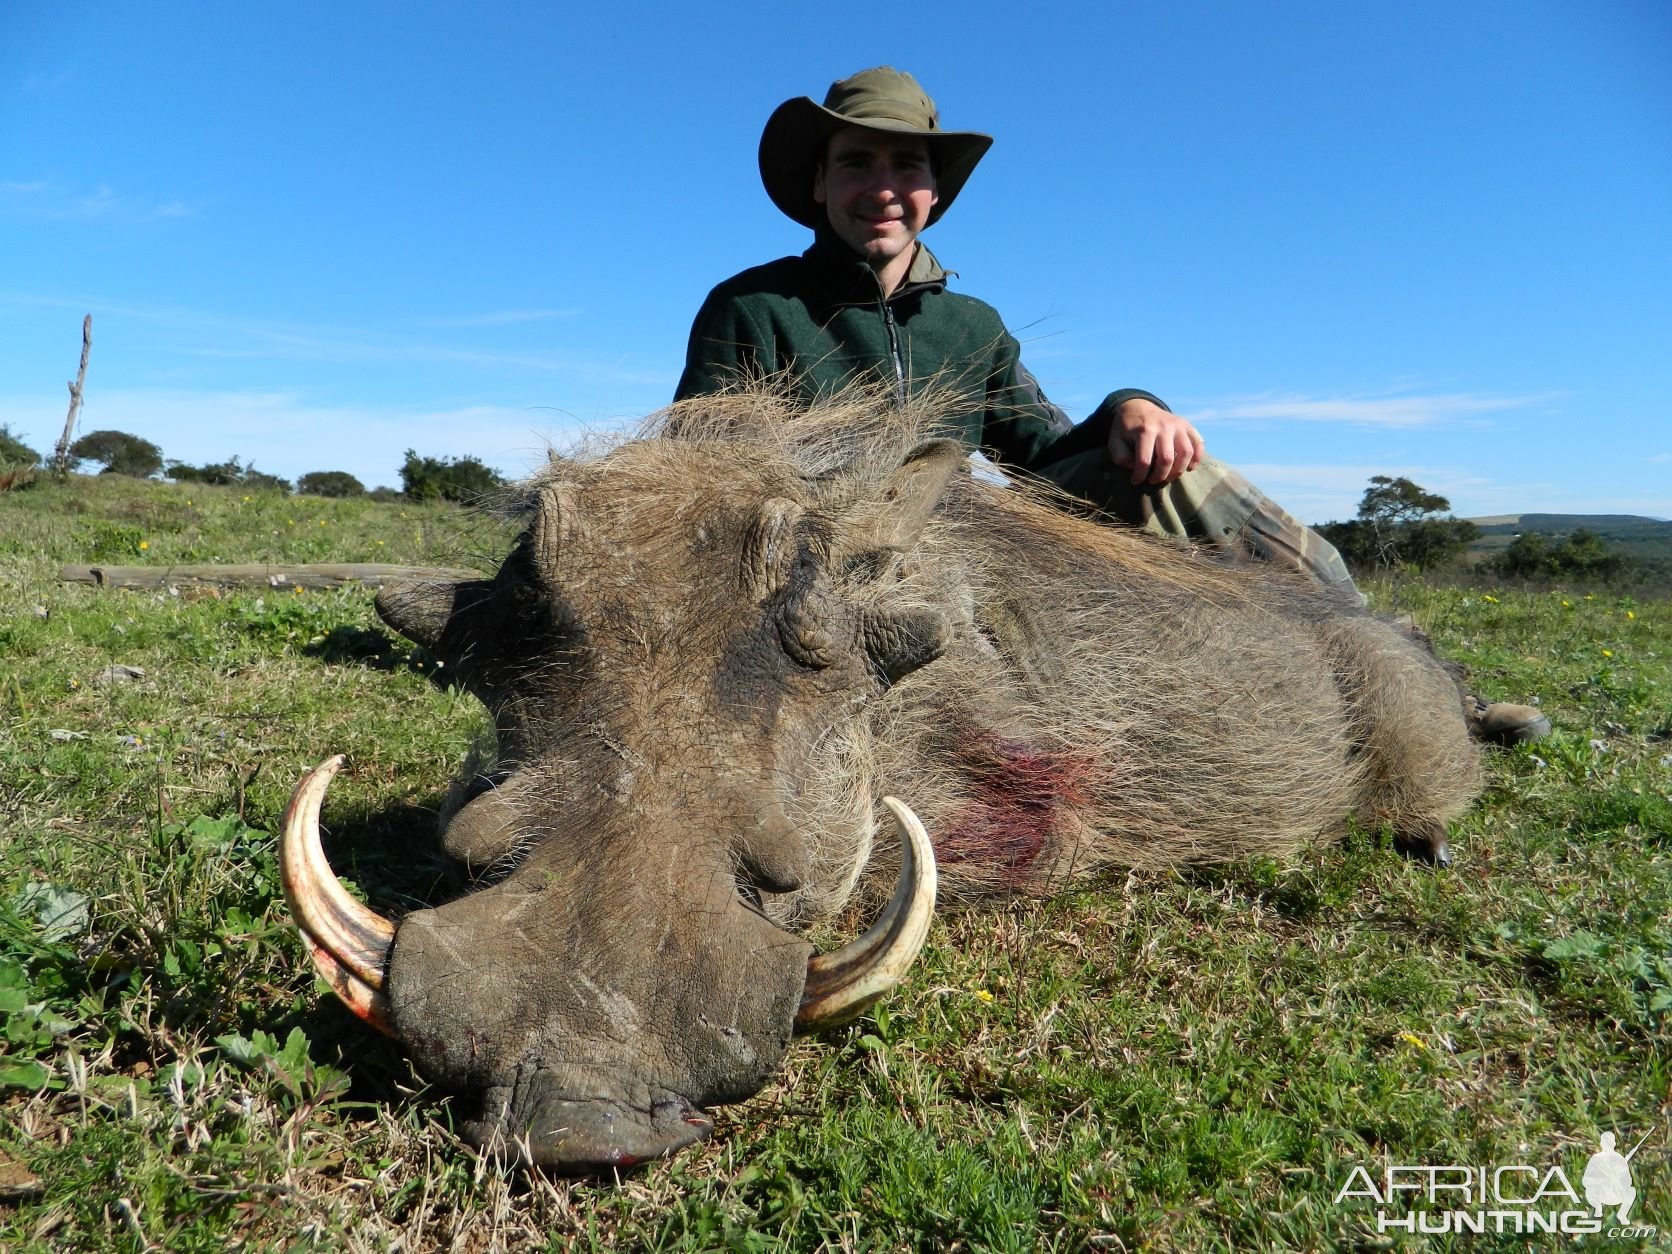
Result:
{"points": [[268, 575]]}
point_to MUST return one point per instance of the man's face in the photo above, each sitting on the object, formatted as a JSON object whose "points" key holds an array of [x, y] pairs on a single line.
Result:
{"points": [[878, 190]]}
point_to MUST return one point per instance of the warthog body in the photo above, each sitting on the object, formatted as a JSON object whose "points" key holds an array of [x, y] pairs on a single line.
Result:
{"points": [[710, 653]]}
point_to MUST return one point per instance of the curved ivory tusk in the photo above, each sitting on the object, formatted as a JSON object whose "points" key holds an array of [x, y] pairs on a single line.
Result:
{"points": [[842, 984], [348, 941]]}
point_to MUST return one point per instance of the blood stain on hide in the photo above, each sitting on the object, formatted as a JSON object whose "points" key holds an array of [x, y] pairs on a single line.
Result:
{"points": [[1016, 791]]}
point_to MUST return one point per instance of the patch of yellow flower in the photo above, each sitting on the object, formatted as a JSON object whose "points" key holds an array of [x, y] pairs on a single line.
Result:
{"points": [[1629, 614], [982, 994], [1415, 1041], [143, 545], [1491, 598], [1608, 653]]}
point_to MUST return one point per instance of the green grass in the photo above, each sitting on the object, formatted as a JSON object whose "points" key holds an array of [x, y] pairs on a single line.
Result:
{"points": [[1193, 1060]]}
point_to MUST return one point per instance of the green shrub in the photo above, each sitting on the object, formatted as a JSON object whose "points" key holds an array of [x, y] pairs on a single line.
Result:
{"points": [[230, 473], [330, 483], [14, 452], [450, 479], [1581, 554]]}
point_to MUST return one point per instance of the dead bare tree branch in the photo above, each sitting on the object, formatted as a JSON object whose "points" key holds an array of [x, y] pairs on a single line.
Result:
{"points": [[61, 455]]}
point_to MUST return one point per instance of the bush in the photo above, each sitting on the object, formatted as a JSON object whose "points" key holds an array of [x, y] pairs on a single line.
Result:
{"points": [[330, 483], [254, 478], [230, 473], [119, 453], [14, 452], [219, 473], [1582, 554], [453, 479], [386, 494]]}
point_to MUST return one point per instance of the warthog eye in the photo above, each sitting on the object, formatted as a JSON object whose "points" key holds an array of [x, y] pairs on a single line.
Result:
{"points": [[749, 893]]}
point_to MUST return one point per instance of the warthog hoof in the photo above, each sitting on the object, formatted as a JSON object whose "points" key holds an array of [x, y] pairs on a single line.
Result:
{"points": [[1431, 848], [1504, 723]]}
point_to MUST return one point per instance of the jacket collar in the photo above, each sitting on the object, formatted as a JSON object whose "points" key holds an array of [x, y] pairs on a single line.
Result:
{"points": [[852, 282]]}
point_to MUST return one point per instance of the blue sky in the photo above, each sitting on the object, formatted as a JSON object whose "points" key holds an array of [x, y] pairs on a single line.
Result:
{"points": [[1431, 239]]}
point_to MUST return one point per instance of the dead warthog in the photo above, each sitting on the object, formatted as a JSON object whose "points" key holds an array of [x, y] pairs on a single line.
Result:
{"points": [[715, 655]]}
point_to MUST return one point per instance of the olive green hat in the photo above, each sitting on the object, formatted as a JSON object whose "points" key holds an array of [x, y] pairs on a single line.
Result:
{"points": [[882, 99]]}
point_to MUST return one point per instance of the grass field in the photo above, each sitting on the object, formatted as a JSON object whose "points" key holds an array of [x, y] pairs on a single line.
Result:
{"points": [[1190, 1060]]}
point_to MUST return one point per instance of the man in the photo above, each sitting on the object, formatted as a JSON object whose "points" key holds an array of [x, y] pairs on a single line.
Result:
{"points": [[868, 171]]}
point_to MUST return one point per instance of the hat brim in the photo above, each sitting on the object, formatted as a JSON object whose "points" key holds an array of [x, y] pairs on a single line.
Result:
{"points": [[794, 140]]}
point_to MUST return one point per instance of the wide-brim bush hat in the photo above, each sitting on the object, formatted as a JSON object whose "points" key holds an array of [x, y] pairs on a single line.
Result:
{"points": [[882, 99]]}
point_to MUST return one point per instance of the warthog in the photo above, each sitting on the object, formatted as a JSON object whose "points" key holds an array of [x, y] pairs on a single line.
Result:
{"points": [[712, 652]]}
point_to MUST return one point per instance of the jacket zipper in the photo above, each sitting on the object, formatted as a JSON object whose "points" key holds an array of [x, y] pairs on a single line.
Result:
{"points": [[893, 329]]}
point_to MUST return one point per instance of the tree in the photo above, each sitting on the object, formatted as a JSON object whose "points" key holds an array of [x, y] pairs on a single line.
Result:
{"points": [[450, 479], [14, 452], [330, 483], [1392, 502], [1400, 523], [119, 453]]}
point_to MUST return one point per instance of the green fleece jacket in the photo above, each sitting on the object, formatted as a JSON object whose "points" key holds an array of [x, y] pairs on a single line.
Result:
{"points": [[821, 320]]}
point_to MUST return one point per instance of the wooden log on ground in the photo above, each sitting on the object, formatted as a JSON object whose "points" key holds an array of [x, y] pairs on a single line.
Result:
{"points": [[262, 575]]}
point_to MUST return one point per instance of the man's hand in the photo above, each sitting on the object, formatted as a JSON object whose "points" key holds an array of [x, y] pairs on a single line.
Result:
{"points": [[1157, 445]]}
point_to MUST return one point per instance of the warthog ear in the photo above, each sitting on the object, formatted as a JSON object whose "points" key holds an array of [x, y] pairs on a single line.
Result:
{"points": [[421, 611], [900, 641], [909, 496], [553, 528]]}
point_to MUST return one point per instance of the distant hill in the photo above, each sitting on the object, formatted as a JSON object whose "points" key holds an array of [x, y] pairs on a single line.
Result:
{"points": [[1630, 534], [1558, 524]]}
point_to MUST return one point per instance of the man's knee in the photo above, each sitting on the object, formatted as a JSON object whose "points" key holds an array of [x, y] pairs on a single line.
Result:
{"points": [[1212, 505]]}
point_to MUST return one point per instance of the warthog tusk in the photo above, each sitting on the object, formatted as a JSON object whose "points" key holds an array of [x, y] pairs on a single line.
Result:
{"points": [[842, 984], [348, 941]]}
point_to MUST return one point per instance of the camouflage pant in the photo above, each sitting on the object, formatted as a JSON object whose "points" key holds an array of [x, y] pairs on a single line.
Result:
{"points": [[1212, 505]]}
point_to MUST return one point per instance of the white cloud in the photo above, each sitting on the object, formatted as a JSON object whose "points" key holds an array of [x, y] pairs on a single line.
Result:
{"points": [[47, 202], [1398, 412], [219, 336], [46, 82], [1331, 493], [503, 317]]}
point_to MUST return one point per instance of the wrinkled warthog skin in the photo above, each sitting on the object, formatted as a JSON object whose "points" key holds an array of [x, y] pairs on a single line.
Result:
{"points": [[715, 645]]}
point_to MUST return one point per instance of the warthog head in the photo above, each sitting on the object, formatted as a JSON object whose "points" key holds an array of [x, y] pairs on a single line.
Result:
{"points": [[663, 661]]}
